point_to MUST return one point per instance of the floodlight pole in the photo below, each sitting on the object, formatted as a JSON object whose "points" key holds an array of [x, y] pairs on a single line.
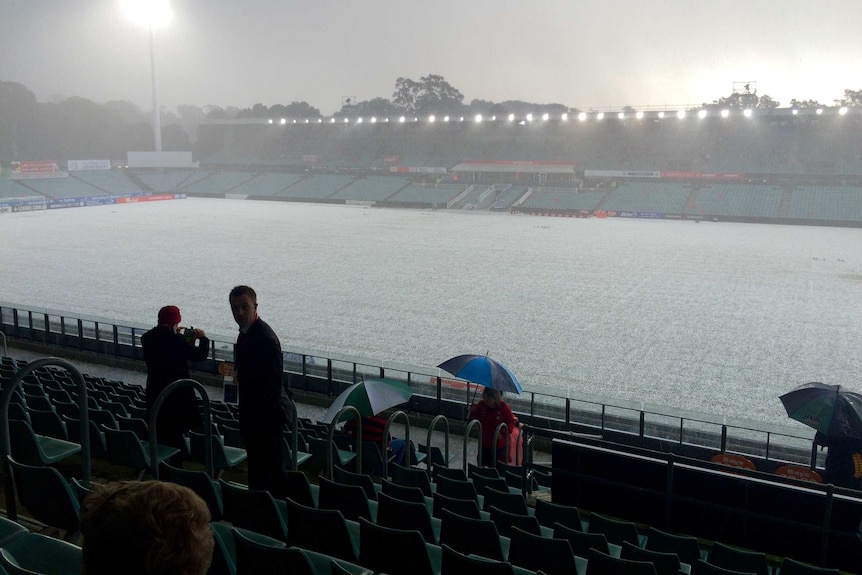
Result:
{"points": [[157, 121]]}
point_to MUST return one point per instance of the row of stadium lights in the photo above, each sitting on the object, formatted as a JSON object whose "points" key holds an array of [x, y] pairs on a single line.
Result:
{"points": [[582, 117]]}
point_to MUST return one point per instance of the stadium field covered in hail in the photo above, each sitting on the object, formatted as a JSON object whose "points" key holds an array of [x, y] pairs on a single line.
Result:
{"points": [[718, 318]]}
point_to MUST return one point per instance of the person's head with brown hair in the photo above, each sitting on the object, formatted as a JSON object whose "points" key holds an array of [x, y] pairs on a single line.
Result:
{"points": [[144, 528], [491, 396]]}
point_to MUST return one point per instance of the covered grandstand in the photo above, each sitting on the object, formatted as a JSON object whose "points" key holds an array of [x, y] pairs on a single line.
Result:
{"points": [[774, 166]]}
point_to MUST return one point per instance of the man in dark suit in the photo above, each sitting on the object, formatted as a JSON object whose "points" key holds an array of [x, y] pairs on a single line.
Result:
{"points": [[167, 353], [265, 403]]}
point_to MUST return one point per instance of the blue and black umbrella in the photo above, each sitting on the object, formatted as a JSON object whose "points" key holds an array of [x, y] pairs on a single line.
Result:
{"points": [[482, 370]]}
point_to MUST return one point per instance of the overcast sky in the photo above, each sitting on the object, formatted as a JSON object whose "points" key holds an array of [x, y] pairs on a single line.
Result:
{"points": [[582, 53]]}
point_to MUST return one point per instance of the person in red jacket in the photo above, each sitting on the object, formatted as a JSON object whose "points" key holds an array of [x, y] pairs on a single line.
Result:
{"points": [[491, 411]]}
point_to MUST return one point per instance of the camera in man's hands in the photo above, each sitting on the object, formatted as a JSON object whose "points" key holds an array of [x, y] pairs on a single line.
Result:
{"points": [[189, 334]]}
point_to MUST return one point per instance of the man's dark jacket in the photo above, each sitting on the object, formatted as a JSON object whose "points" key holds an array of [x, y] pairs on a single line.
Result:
{"points": [[167, 355]]}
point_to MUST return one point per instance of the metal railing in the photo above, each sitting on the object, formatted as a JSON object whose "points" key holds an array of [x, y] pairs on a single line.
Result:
{"points": [[328, 374]]}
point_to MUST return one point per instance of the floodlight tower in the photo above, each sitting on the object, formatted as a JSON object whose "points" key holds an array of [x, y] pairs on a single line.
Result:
{"points": [[151, 14]]}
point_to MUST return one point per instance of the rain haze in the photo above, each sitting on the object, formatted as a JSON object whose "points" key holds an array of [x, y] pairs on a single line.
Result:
{"points": [[581, 54], [713, 318]]}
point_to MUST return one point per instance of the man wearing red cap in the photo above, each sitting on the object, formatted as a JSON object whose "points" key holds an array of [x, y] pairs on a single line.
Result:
{"points": [[167, 353]]}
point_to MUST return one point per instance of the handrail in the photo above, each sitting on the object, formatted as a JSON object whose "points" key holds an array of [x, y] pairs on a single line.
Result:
{"points": [[500, 427], [208, 429], [778, 442], [431, 426], [330, 439], [5, 348], [470, 425], [6, 443], [294, 438], [398, 414]]}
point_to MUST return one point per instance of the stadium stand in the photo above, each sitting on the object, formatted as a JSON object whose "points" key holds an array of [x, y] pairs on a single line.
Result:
{"points": [[218, 182], [827, 203], [267, 185], [170, 181], [562, 199], [318, 187], [737, 200], [666, 198], [64, 188], [109, 181], [12, 190], [421, 194], [371, 188]]}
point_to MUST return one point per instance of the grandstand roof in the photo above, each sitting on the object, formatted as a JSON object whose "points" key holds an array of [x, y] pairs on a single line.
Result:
{"points": [[504, 167]]}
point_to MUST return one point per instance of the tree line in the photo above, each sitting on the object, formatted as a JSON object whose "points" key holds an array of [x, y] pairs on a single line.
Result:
{"points": [[76, 127]]}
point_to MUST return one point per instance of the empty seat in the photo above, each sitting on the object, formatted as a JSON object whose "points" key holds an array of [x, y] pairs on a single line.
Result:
{"points": [[400, 514], [323, 530], [738, 559], [34, 553], [47, 496], [599, 563], [394, 551]]}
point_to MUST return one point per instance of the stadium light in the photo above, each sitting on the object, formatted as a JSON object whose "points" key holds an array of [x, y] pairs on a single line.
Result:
{"points": [[582, 116], [478, 118], [461, 118], [842, 110], [747, 112], [270, 120], [819, 111], [431, 118], [529, 117], [346, 120], [661, 114], [283, 121], [332, 120], [545, 117], [639, 115], [564, 117], [600, 116], [621, 116], [153, 15], [359, 120], [402, 119], [373, 119], [725, 113], [511, 117], [445, 118], [701, 114], [680, 114], [795, 112]]}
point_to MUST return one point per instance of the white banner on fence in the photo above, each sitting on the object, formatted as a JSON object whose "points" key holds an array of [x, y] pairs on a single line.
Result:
{"points": [[88, 165]]}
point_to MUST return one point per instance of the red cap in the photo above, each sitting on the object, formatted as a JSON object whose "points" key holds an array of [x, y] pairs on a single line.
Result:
{"points": [[169, 315]]}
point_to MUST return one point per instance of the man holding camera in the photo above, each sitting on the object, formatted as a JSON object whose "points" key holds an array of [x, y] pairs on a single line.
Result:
{"points": [[167, 352]]}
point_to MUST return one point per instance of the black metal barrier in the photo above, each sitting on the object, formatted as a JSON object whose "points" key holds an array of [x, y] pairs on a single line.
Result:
{"points": [[805, 521]]}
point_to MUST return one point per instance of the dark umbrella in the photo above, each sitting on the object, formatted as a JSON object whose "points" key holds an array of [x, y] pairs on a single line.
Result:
{"points": [[831, 410], [482, 370]]}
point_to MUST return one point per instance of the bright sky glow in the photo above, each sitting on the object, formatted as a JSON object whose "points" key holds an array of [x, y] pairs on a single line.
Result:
{"points": [[154, 14], [231, 53]]}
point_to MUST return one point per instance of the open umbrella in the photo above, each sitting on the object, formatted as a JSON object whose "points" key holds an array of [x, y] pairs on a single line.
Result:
{"points": [[482, 370], [831, 410], [370, 397]]}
